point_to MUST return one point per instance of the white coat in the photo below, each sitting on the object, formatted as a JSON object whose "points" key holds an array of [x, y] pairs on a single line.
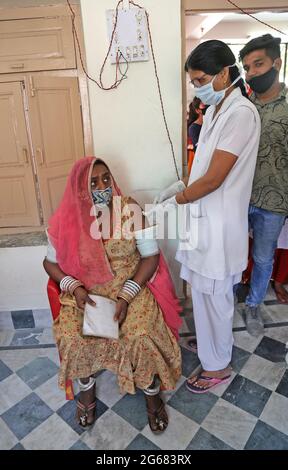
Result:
{"points": [[218, 222]]}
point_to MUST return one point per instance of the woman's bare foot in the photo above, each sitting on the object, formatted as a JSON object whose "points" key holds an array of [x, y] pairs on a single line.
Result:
{"points": [[157, 416], [281, 292], [86, 405]]}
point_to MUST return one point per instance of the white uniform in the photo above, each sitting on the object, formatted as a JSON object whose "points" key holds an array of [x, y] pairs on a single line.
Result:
{"points": [[219, 226]]}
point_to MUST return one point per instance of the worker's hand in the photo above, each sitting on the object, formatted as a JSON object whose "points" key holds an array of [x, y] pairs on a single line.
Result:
{"points": [[169, 192], [81, 296], [121, 311], [159, 209]]}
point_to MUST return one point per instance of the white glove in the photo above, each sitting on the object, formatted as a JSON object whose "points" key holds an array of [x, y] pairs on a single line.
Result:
{"points": [[163, 206], [169, 192]]}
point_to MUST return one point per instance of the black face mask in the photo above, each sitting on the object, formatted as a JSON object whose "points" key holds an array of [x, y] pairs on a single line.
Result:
{"points": [[263, 82]]}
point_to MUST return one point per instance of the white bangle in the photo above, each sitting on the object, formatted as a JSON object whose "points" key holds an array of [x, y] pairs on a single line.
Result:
{"points": [[129, 291], [69, 284]]}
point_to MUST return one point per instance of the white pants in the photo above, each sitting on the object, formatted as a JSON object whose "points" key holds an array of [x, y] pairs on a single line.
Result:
{"points": [[213, 308]]}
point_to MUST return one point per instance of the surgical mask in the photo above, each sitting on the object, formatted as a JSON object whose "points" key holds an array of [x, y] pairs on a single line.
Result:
{"points": [[102, 197], [262, 83], [209, 96]]}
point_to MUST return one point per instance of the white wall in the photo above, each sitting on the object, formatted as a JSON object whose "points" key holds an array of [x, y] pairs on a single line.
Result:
{"points": [[23, 279], [128, 128]]}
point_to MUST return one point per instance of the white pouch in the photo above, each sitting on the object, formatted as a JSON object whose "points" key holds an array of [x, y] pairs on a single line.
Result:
{"points": [[99, 319]]}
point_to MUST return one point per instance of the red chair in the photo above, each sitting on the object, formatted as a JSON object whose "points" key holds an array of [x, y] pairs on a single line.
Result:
{"points": [[53, 292]]}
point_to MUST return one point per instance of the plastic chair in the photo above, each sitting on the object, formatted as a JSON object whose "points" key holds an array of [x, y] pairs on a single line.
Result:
{"points": [[53, 292]]}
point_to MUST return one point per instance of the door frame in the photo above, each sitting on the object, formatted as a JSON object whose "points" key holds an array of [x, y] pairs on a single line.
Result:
{"points": [[41, 12], [214, 6]]}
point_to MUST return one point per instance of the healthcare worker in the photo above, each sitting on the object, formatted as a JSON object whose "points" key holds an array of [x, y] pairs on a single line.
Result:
{"points": [[217, 199]]}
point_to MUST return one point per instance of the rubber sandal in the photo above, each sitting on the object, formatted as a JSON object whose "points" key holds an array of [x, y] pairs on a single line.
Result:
{"points": [[212, 382]]}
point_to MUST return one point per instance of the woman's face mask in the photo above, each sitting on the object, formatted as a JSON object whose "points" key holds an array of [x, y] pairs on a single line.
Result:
{"points": [[209, 96], [102, 197]]}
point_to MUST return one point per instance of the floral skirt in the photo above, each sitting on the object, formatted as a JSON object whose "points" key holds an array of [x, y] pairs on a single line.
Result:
{"points": [[145, 347]]}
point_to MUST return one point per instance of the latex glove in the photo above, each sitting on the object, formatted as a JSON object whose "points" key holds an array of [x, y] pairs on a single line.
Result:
{"points": [[163, 206], [169, 192]]}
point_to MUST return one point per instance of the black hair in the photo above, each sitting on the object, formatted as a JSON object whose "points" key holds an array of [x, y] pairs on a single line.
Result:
{"points": [[100, 162], [193, 106], [267, 42], [211, 57]]}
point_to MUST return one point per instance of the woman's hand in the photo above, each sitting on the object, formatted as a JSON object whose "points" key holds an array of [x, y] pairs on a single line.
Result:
{"points": [[121, 311], [81, 296]]}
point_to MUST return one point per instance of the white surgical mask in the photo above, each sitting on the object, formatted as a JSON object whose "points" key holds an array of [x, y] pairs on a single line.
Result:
{"points": [[209, 96]]}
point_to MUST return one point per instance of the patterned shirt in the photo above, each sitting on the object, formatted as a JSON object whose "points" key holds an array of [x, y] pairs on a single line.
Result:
{"points": [[270, 185]]}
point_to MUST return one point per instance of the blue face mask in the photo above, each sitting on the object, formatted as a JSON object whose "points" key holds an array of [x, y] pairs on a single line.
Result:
{"points": [[102, 197], [209, 96]]}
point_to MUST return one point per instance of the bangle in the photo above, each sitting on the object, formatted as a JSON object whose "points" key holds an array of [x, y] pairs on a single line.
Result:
{"points": [[184, 197], [69, 284], [129, 291]]}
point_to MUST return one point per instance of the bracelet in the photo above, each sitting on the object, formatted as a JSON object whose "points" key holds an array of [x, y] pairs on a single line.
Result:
{"points": [[69, 284], [129, 291]]}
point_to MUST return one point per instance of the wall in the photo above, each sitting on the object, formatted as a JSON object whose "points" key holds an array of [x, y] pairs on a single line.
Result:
{"points": [[128, 128], [23, 279]]}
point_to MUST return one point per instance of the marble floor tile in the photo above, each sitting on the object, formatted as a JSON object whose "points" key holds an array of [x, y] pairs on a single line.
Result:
{"points": [[27, 337], [279, 333], [265, 373], [133, 409], [203, 440], [107, 389], [275, 412], [190, 361], [265, 437], [79, 445], [16, 359], [272, 350], [47, 336], [12, 390], [274, 313], [247, 395], [142, 443], [178, 434], [6, 322], [7, 438], [26, 415], [23, 319], [243, 340], [43, 318], [110, 432], [283, 385], [51, 394], [5, 371], [239, 358], [53, 434], [6, 337], [193, 406], [230, 424], [238, 316], [37, 372]]}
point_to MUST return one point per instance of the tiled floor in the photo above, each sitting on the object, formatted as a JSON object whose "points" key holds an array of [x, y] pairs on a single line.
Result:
{"points": [[251, 412]]}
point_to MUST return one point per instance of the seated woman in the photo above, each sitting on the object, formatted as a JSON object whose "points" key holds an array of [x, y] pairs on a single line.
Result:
{"points": [[116, 266]]}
